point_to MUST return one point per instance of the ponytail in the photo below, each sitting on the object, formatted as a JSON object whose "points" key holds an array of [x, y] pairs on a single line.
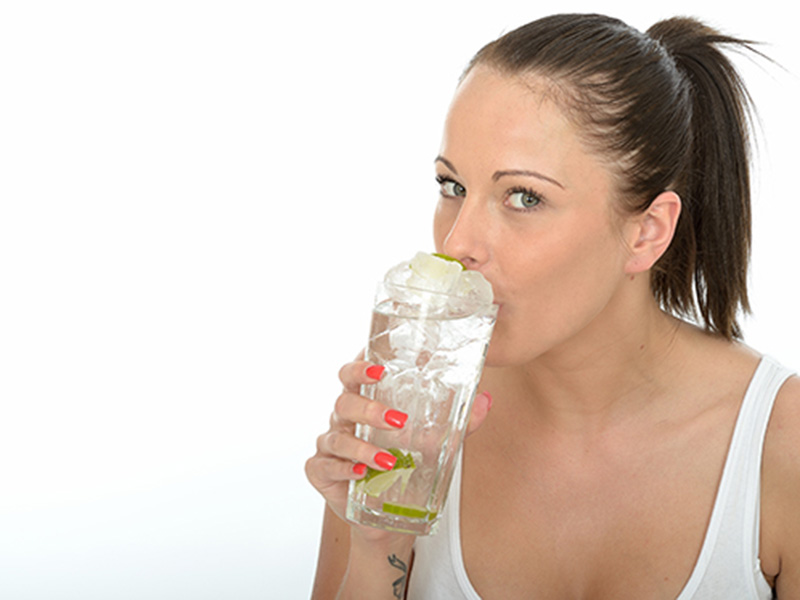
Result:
{"points": [[714, 238], [671, 112]]}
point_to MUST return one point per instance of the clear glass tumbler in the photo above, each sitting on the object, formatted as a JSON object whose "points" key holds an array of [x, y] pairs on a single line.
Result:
{"points": [[432, 346]]}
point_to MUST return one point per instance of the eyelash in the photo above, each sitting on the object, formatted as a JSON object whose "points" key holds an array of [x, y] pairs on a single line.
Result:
{"points": [[442, 180], [527, 192]]}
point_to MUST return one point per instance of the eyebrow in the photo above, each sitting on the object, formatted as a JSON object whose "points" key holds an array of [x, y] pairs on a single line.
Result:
{"points": [[498, 174], [446, 163]]}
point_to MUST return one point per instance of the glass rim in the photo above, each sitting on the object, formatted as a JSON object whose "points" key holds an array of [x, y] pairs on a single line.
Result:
{"points": [[424, 292]]}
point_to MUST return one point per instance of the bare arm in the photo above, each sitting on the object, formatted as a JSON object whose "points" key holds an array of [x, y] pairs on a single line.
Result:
{"points": [[377, 570], [334, 551], [350, 566], [781, 492]]}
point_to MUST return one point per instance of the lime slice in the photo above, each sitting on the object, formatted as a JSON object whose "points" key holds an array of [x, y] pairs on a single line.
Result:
{"points": [[376, 482], [449, 258], [409, 510], [404, 459]]}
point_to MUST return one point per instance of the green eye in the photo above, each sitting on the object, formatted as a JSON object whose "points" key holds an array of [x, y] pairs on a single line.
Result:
{"points": [[524, 199], [451, 189]]}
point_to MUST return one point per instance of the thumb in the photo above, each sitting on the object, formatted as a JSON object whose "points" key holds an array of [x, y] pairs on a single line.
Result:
{"points": [[480, 410]]}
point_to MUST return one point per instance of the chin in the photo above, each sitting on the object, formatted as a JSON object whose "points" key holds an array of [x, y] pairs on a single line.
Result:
{"points": [[509, 350], [500, 355], [502, 350]]}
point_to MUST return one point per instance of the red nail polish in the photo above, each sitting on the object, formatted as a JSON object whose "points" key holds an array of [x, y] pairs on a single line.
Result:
{"points": [[395, 418], [375, 371], [385, 460], [359, 468]]}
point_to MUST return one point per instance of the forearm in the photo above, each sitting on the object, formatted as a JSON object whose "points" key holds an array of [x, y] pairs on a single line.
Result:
{"points": [[377, 571]]}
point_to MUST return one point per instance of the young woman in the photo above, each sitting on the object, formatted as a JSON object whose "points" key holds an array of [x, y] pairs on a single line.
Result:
{"points": [[598, 177]]}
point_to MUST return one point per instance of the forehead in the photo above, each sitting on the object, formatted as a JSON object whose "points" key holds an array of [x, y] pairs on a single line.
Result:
{"points": [[484, 84], [512, 121]]}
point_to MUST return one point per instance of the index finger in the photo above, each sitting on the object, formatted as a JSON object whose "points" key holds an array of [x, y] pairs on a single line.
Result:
{"points": [[355, 374]]}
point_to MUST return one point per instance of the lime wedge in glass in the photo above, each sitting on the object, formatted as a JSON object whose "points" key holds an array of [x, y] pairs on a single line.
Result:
{"points": [[409, 510], [376, 482]]}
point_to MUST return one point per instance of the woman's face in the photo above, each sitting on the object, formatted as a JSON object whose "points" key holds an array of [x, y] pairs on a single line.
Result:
{"points": [[523, 202]]}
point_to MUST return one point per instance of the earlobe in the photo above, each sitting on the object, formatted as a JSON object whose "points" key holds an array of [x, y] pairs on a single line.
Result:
{"points": [[655, 228]]}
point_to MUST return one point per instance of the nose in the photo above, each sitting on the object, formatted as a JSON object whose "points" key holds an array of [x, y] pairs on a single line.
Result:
{"points": [[468, 235]]}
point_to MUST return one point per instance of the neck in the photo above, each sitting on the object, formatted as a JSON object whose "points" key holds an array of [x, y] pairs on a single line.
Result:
{"points": [[614, 371]]}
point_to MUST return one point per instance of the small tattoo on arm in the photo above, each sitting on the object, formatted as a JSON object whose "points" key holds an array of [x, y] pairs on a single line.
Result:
{"points": [[398, 586]]}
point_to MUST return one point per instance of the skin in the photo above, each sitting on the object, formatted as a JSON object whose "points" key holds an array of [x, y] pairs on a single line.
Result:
{"points": [[595, 475]]}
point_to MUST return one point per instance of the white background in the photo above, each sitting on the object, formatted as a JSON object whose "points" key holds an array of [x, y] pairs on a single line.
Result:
{"points": [[196, 199]]}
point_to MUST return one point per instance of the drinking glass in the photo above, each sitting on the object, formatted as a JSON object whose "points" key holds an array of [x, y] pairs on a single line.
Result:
{"points": [[432, 346]]}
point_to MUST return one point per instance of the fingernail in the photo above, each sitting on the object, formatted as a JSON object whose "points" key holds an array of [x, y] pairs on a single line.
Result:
{"points": [[359, 468], [490, 399], [395, 418], [385, 460], [375, 372]]}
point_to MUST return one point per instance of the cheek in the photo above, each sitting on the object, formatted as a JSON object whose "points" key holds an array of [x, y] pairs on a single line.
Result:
{"points": [[558, 288]]}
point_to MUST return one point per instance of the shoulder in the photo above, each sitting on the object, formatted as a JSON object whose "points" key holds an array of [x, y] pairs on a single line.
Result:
{"points": [[781, 491], [782, 443]]}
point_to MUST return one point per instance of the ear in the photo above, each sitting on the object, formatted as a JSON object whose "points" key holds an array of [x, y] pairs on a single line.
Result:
{"points": [[651, 232]]}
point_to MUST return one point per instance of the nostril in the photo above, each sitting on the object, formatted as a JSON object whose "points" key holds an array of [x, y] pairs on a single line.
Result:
{"points": [[468, 262]]}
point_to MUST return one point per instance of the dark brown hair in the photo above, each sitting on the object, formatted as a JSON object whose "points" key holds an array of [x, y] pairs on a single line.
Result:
{"points": [[670, 111]]}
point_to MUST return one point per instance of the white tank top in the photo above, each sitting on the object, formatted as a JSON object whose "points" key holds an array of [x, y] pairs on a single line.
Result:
{"points": [[728, 567]]}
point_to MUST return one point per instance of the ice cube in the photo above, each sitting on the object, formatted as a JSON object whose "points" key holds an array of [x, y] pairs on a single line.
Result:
{"points": [[432, 273], [399, 274], [413, 336], [473, 285]]}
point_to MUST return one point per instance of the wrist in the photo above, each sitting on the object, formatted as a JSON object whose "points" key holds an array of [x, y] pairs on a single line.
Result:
{"points": [[379, 565], [370, 540]]}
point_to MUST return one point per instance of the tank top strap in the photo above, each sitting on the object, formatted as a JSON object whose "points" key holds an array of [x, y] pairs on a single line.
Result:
{"points": [[748, 449], [729, 555]]}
